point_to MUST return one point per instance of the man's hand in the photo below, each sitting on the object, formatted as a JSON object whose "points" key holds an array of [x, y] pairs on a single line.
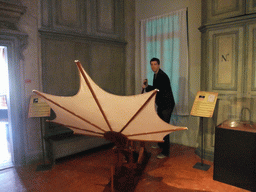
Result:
{"points": [[145, 83]]}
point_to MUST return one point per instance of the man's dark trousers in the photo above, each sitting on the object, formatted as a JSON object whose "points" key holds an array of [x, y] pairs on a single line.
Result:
{"points": [[165, 115]]}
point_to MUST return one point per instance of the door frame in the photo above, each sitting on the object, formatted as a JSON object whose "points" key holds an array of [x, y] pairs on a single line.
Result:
{"points": [[15, 42]]}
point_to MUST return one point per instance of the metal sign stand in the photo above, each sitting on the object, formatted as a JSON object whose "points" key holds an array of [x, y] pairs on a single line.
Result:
{"points": [[39, 108], [203, 106], [44, 166], [201, 165]]}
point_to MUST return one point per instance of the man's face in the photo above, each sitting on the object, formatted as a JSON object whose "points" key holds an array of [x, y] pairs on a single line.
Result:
{"points": [[154, 66]]}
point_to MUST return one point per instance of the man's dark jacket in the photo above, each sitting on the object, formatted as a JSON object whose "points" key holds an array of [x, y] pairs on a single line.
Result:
{"points": [[164, 98]]}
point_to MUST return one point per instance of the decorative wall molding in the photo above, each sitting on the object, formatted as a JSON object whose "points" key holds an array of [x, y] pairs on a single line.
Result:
{"points": [[217, 11], [91, 38], [228, 21], [105, 14], [220, 7], [251, 60], [18, 37], [71, 17], [89, 17], [10, 14], [250, 6], [225, 60]]}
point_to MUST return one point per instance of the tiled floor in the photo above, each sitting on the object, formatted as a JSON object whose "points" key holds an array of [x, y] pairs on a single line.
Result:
{"points": [[5, 157], [91, 171]]}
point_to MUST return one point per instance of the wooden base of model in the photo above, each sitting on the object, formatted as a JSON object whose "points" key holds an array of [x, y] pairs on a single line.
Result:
{"points": [[127, 168]]}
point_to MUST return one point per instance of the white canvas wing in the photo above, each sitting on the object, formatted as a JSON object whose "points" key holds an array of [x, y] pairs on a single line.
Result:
{"points": [[93, 111]]}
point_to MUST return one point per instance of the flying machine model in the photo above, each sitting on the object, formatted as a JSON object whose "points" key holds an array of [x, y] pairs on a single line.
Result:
{"points": [[119, 119]]}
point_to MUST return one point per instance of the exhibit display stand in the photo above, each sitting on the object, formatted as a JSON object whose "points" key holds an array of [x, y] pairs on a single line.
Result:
{"points": [[203, 107], [235, 145], [39, 108], [234, 156]]}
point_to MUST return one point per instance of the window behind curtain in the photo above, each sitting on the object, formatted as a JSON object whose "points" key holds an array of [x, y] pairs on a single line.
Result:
{"points": [[165, 37]]}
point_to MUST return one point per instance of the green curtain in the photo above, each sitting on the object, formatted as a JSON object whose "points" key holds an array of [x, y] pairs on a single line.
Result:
{"points": [[165, 37]]}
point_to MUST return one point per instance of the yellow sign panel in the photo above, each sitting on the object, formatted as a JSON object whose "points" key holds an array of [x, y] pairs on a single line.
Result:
{"points": [[204, 104], [38, 107]]}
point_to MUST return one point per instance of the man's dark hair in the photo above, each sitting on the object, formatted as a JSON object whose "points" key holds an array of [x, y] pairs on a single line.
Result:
{"points": [[155, 59]]}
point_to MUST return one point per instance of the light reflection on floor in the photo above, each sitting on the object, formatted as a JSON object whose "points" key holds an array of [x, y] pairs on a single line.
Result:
{"points": [[5, 157]]}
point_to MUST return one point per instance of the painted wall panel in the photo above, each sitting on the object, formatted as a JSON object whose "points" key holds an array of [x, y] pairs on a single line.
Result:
{"points": [[106, 16], [107, 69], [222, 9]]}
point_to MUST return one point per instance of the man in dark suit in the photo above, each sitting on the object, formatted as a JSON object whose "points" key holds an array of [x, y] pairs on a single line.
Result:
{"points": [[164, 100]]}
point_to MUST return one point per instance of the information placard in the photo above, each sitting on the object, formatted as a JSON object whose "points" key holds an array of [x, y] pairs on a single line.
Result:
{"points": [[38, 107], [204, 104]]}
